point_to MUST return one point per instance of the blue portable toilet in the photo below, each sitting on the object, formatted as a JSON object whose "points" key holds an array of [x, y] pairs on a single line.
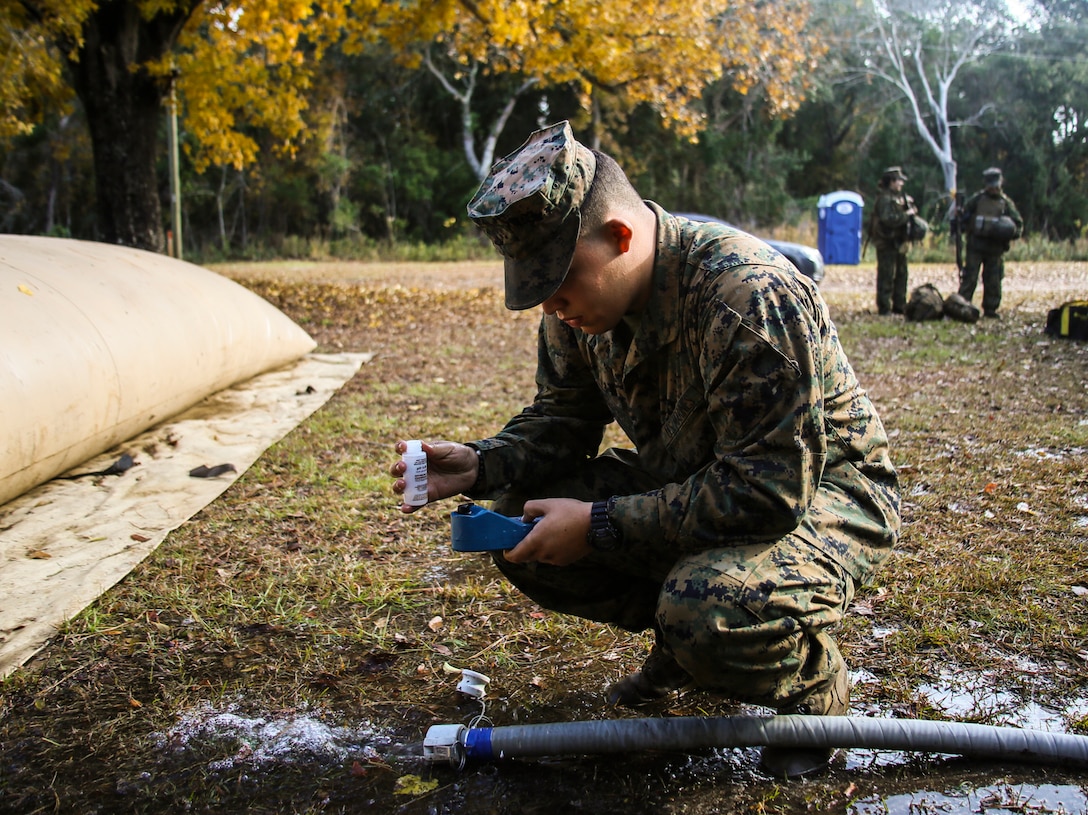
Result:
{"points": [[839, 230]]}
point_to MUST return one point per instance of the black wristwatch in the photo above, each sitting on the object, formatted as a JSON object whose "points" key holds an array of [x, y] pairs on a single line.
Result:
{"points": [[603, 535], [481, 479]]}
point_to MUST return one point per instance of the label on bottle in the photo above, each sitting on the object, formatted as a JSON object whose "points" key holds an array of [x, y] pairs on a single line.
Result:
{"points": [[415, 476]]}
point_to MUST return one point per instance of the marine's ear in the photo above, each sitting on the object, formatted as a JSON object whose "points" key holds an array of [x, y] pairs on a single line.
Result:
{"points": [[621, 233]]}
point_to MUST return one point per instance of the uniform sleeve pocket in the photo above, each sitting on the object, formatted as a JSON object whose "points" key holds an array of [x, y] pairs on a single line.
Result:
{"points": [[689, 408]]}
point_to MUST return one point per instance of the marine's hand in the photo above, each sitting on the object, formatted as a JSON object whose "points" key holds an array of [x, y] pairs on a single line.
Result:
{"points": [[559, 537], [451, 469]]}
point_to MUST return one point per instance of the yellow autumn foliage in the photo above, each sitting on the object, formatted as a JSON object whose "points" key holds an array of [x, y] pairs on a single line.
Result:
{"points": [[663, 53], [248, 65]]}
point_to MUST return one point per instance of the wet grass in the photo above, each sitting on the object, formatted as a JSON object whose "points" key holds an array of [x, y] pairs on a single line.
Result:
{"points": [[302, 591]]}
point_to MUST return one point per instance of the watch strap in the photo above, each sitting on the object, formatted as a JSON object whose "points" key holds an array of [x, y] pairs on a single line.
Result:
{"points": [[603, 535]]}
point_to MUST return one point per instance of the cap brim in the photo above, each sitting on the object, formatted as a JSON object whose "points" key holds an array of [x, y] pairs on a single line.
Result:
{"points": [[533, 279]]}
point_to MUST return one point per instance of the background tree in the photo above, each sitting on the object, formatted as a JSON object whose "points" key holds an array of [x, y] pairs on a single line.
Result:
{"points": [[309, 130], [1038, 129], [661, 55], [104, 50], [919, 48], [245, 68], [120, 56]]}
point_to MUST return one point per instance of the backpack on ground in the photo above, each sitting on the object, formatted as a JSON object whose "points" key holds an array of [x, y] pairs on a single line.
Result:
{"points": [[958, 308], [925, 303], [1069, 320]]}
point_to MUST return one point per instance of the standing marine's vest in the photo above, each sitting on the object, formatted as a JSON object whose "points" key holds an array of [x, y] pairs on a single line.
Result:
{"points": [[989, 226], [990, 220]]}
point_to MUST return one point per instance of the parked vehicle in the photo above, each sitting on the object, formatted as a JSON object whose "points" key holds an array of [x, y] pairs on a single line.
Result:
{"points": [[807, 259]]}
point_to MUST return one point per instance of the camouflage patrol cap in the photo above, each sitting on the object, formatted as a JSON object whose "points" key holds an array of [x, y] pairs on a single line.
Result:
{"points": [[530, 207], [893, 173], [992, 176]]}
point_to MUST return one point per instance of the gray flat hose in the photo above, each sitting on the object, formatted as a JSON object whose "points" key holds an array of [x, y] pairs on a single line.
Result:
{"points": [[687, 733]]}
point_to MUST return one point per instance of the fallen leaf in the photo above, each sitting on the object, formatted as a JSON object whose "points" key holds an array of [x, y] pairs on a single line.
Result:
{"points": [[26, 290], [139, 538], [122, 465], [204, 471], [1080, 591], [414, 785], [435, 624], [38, 554], [990, 488]]}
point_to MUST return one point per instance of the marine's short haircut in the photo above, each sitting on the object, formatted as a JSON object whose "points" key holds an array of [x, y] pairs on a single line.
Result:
{"points": [[610, 187]]}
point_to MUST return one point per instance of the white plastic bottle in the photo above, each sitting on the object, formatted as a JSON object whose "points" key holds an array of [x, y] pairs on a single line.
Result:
{"points": [[415, 474]]}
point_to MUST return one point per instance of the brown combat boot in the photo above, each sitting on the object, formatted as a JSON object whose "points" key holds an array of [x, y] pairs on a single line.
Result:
{"points": [[798, 762], [660, 675]]}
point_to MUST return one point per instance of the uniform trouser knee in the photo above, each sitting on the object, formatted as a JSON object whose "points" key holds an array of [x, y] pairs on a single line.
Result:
{"points": [[751, 622], [969, 276], [992, 267], [993, 273]]}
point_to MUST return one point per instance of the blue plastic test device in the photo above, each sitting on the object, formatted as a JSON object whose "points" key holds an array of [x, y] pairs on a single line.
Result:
{"points": [[475, 529]]}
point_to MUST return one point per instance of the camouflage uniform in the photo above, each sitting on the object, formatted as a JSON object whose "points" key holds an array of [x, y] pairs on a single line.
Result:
{"points": [[761, 491], [889, 236], [986, 253]]}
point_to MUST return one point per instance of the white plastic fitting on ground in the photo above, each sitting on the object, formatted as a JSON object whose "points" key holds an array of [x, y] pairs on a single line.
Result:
{"points": [[473, 684]]}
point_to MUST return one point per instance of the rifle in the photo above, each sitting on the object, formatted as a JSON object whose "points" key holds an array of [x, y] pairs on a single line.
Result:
{"points": [[869, 232], [955, 228]]}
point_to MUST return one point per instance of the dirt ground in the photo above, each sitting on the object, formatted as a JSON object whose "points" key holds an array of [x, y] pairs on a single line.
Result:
{"points": [[1023, 280], [685, 783], [286, 650]]}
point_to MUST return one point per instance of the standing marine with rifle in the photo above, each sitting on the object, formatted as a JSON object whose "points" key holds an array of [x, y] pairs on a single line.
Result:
{"points": [[889, 229], [990, 220]]}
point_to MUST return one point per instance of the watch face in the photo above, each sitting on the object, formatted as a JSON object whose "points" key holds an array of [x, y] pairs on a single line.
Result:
{"points": [[605, 542]]}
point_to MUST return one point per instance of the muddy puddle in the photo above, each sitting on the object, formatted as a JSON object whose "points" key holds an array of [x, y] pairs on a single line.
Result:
{"points": [[321, 764]]}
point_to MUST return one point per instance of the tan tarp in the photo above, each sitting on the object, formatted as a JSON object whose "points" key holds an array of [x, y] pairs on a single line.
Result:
{"points": [[98, 345], [66, 541]]}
